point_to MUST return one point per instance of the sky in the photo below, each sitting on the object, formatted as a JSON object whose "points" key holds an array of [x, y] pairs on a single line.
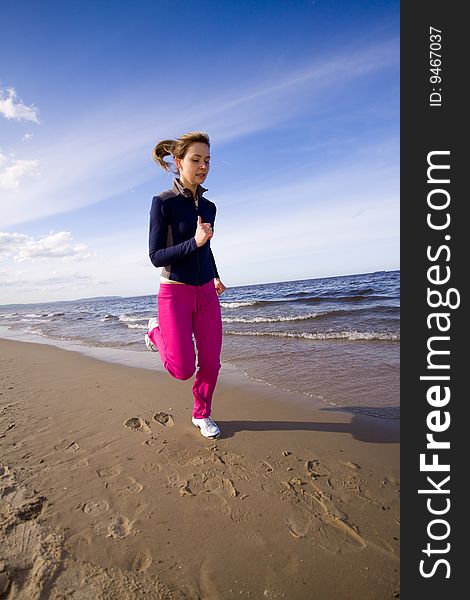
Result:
{"points": [[301, 103]]}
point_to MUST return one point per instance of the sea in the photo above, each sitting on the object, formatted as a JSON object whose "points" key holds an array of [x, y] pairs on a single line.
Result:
{"points": [[332, 339]]}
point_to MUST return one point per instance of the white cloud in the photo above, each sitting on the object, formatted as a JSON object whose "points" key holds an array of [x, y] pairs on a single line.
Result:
{"points": [[104, 153], [62, 281], [22, 284], [12, 107], [16, 279], [58, 278], [14, 173], [26, 137], [10, 241], [345, 218], [21, 247], [340, 220]]}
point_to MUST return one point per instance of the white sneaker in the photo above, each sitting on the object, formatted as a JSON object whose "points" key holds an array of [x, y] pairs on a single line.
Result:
{"points": [[208, 428], [149, 344], [153, 322]]}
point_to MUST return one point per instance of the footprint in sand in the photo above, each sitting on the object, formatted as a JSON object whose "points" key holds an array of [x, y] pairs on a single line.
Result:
{"points": [[107, 472], [149, 467], [235, 465], [142, 562], [33, 552], [30, 510], [272, 593], [298, 523], [119, 528], [7, 481], [266, 468], [173, 478], [237, 515], [311, 466], [138, 424], [94, 508], [185, 490], [252, 537], [151, 441], [124, 484], [164, 419], [332, 526], [270, 486], [221, 485], [67, 446], [198, 461], [85, 462], [72, 447], [193, 486], [350, 464]]}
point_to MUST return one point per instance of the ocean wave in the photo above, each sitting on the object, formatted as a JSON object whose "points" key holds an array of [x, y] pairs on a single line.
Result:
{"points": [[355, 298], [239, 304], [130, 321], [340, 335], [34, 320], [131, 318], [272, 319], [35, 331], [357, 292], [308, 300], [375, 311]]}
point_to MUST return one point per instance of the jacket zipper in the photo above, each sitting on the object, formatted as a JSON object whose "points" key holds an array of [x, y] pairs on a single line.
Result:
{"points": [[197, 249]]}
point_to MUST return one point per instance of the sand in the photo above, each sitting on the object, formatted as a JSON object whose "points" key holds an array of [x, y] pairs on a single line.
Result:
{"points": [[107, 490]]}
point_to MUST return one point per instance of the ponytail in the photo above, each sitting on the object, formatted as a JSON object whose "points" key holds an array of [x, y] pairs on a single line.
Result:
{"points": [[162, 149], [177, 148]]}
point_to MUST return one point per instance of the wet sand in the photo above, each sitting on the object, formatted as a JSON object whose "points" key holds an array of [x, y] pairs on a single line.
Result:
{"points": [[107, 490]]}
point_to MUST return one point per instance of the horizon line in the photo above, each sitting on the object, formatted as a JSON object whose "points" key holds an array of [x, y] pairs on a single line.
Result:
{"points": [[97, 298]]}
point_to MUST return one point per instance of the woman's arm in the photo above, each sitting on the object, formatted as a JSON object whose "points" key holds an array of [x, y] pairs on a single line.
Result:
{"points": [[216, 273], [219, 286], [159, 254]]}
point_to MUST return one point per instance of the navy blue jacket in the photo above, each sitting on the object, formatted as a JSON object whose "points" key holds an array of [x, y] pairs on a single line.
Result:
{"points": [[173, 222]]}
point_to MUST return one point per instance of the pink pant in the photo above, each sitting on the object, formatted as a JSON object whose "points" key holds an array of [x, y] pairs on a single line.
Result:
{"points": [[182, 311]]}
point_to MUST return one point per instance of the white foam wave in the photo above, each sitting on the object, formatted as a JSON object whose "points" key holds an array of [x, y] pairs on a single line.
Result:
{"points": [[237, 304], [130, 318], [108, 318], [136, 326], [34, 320], [340, 335], [35, 331], [271, 319]]}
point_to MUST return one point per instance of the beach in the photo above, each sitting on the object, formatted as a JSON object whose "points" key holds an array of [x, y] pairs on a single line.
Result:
{"points": [[108, 490], [334, 339]]}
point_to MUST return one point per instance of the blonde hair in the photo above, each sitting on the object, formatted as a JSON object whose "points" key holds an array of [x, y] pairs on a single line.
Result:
{"points": [[177, 148]]}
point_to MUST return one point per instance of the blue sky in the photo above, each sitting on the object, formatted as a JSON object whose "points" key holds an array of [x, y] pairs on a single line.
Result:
{"points": [[301, 102]]}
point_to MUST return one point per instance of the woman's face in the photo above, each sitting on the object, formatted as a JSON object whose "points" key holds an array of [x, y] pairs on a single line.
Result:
{"points": [[194, 167]]}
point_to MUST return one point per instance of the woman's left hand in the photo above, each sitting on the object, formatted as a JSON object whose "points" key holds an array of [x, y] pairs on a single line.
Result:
{"points": [[219, 286]]}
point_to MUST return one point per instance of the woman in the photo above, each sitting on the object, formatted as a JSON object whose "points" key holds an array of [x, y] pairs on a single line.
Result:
{"points": [[181, 227]]}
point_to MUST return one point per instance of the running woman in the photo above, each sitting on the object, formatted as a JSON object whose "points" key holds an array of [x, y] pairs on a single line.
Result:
{"points": [[181, 227]]}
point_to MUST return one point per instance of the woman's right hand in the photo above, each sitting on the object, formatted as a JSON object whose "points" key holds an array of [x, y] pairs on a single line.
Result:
{"points": [[203, 232]]}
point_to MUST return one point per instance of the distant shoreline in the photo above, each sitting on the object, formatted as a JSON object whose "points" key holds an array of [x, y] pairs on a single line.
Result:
{"points": [[97, 298]]}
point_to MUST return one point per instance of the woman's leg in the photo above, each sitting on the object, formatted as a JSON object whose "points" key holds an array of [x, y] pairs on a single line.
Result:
{"points": [[173, 336], [207, 326]]}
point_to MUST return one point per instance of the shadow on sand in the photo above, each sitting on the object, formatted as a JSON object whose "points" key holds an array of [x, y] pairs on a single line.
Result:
{"points": [[362, 427]]}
